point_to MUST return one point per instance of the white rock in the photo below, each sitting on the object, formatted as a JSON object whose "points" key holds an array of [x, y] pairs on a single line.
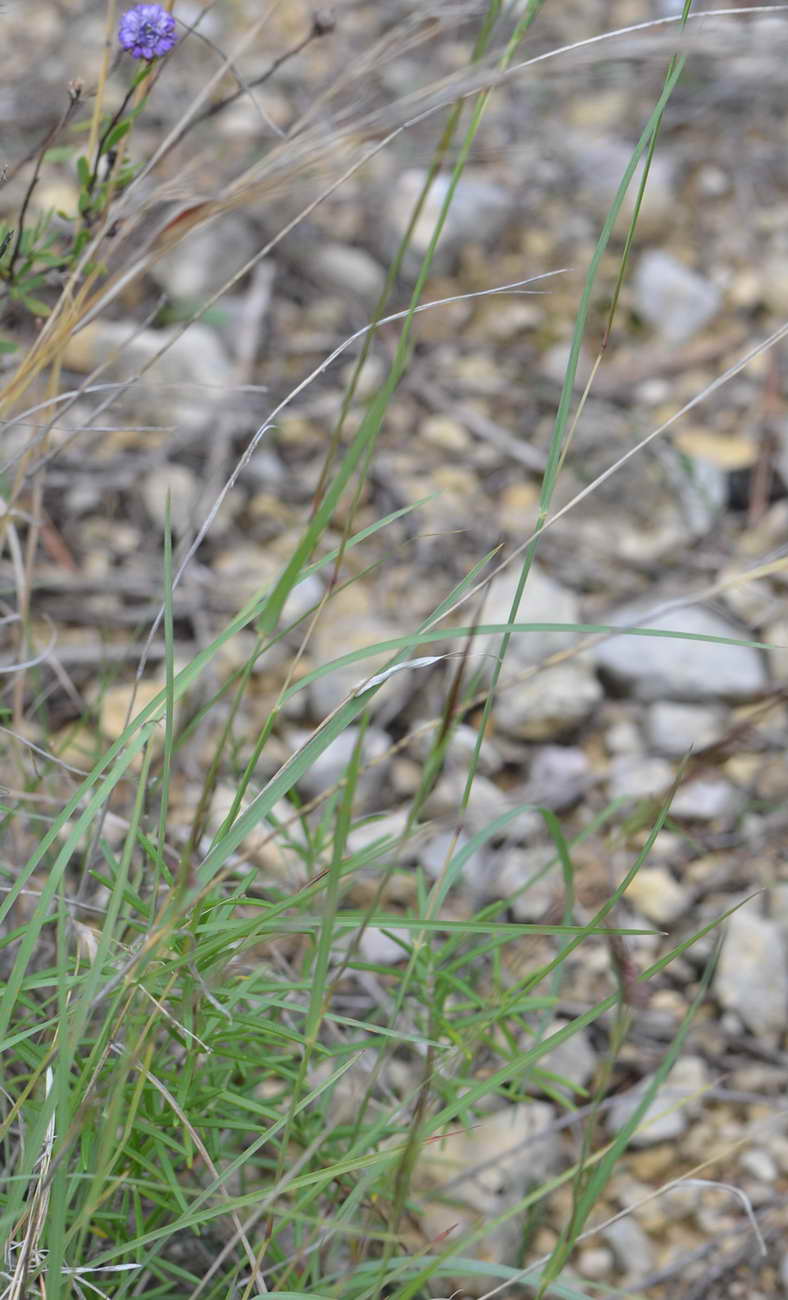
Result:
{"points": [[478, 213], [752, 974], [759, 1164], [265, 469], [777, 635], [348, 269], [247, 569], [544, 601], [385, 947], [674, 668], [639, 778], [446, 846], [181, 486], [706, 799], [331, 765], [484, 1171], [778, 905], [753, 602], [601, 164], [675, 729], [370, 376], [622, 737], [485, 805], [118, 704], [574, 1060], [349, 623], [516, 868], [668, 1114], [558, 776], [550, 704], [631, 1247], [656, 894], [461, 748], [714, 182], [554, 361], [274, 855], [383, 831], [701, 490], [674, 299], [595, 1263], [192, 376], [207, 259]]}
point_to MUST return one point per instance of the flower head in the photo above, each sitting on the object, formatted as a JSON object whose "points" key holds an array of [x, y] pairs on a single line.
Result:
{"points": [[147, 31]]}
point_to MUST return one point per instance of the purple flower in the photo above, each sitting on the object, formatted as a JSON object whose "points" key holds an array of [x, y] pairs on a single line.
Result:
{"points": [[147, 31]]}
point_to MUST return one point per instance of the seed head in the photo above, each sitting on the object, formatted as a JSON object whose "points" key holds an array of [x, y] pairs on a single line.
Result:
{"points": [[147, 32]]}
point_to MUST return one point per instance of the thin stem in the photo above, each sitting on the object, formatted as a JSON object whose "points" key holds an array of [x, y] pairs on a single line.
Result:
{"points": [[317, 30], [74, 96]]}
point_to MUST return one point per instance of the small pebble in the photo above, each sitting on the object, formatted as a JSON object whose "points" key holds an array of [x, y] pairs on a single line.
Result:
{"points": [[595, 1263]]}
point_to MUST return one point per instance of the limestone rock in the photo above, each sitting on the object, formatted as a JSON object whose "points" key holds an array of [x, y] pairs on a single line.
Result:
{"points": [[470, 1177], [752, 975], [665, 1118], [675, 728], [680, 669], [673, 298], [658, 895], [479, 210], [550, 704]]}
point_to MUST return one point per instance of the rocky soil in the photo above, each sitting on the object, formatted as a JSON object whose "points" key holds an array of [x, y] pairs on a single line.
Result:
{"points": [[689, 535]]}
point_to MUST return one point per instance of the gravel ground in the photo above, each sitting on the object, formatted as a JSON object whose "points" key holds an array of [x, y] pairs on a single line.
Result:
{"points": [[668, 540]]}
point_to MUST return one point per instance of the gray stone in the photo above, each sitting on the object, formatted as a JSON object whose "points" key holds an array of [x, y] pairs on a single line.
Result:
{"points": [[369, 378], [622, 737], [759, 1164], [675, 729], [674, 1103], [670, 501], [595, 1263], [442, 848], [559, 774], [384, 947], [659, 897], [707, 799], [486, 804], [674, 299], [516, 868], [180, 485], [639, 778], [192, 375], [350, 623], [778, 905], [385, 831], [777, 635], [461, 749], [550, 704], [207, 259], [329, 768], [782, 448], [573, 1061], [472, 1176], [752, 974], [544, 601], [674, 668], [479, 211], [348, 269], [601, 163], [631, 1247], [265, 469], [701, 490]]}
